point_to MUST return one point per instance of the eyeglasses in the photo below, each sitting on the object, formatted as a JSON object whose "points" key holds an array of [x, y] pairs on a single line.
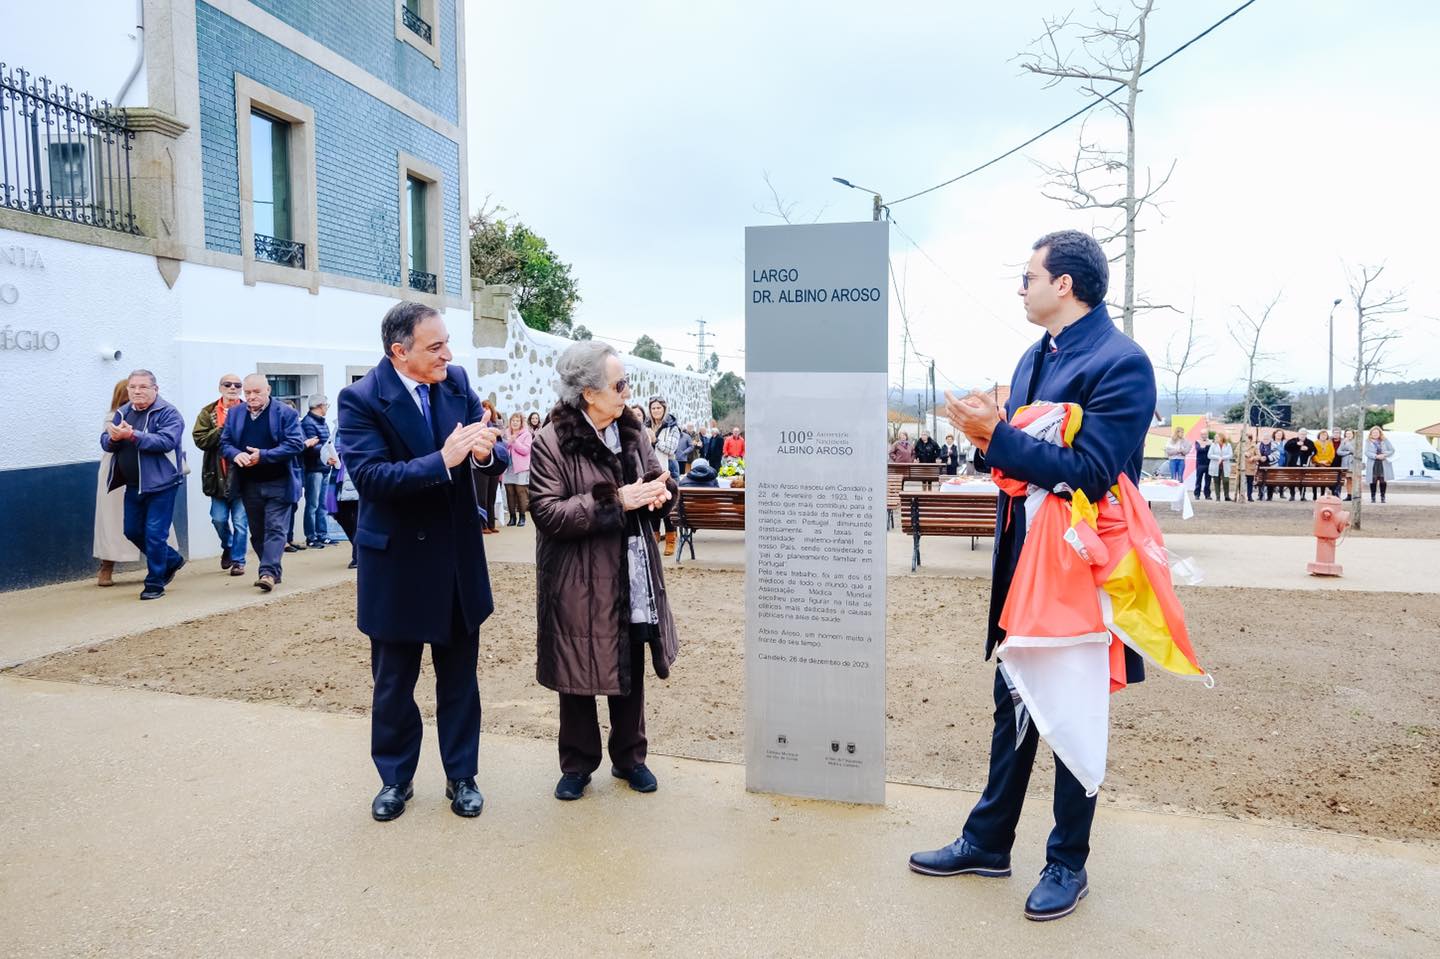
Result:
{"points": [[1026, 278], [622, 384], [230, 384]]}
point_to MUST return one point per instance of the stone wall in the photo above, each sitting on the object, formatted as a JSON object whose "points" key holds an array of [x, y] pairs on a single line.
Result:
{"points": [[515, 365]]}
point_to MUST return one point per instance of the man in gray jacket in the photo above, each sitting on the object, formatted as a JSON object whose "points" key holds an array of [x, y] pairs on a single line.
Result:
{"points": [[145, 438]]}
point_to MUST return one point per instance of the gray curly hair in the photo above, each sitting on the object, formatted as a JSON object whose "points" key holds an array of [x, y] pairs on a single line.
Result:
{"points": [[582, 367]]}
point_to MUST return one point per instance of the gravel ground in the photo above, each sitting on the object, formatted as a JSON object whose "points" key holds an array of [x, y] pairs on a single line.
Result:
{"points": [[1314, 720]]}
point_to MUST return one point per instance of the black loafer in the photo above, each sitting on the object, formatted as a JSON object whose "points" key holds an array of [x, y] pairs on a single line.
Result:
{"points": [[225, 561], [464, 796], [1057, 894], [960, 858], [170, 574], [571, 786], [390, 801], [641, 779]]}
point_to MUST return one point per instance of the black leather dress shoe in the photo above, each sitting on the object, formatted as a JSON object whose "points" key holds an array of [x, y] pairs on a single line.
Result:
{"points": [[464, 796], [641, 779], [170, 573], [390, 801], [571, 786], [960, 858], [1057, 894]]}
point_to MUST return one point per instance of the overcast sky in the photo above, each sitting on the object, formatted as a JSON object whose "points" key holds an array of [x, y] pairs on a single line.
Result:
{"points": [[635, 139]]}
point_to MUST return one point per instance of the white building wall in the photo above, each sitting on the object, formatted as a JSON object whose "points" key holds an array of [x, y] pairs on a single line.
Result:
{"points": [[95, 301], [89, 44]]}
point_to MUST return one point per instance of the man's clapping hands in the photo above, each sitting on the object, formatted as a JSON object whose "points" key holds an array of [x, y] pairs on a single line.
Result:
{"points": [[477, 440]]}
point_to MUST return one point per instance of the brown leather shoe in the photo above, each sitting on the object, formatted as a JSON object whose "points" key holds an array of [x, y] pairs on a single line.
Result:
{"points": [[107, 569], [237, 569], [266, 583]]}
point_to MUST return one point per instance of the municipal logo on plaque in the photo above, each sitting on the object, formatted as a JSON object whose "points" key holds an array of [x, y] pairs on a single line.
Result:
{"points": [[834, 745], [781, 739], [850, 748]]}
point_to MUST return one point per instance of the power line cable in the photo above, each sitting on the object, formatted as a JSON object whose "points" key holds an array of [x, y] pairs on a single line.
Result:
{"points": [[1089, 106]]}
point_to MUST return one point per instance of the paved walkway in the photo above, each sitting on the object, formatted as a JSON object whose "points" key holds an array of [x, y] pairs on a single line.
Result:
{"points": [[147, 824]]}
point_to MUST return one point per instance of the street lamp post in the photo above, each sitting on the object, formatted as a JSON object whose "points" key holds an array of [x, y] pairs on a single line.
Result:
{"points": [[1330, 379], [876, 205]]}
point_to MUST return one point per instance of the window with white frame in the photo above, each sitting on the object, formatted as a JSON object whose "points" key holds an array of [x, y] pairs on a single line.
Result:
{"points": [[422, 240], [417, 22], [275, 140]]}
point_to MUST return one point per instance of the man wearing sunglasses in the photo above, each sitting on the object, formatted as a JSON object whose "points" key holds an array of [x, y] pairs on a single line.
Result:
{"points": [[227, 512], [1081, 358]]}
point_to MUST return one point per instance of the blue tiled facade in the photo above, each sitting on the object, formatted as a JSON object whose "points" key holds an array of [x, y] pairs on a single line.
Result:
{"points": [[357, 138], [363, 32]]}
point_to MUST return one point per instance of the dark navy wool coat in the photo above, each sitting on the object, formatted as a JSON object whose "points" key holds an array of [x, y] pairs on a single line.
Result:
{"points": [[289, 444], [1095, 365], [418, 534]]}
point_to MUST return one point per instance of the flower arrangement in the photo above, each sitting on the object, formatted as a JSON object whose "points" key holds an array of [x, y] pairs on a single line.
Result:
{"points": [[732, 467]]}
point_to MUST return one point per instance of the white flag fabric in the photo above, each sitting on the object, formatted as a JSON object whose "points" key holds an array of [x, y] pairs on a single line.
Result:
{"points": [[1067, 692]]}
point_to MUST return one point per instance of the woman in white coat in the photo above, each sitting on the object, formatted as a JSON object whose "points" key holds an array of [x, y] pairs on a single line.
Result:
{"points": [[1222, 454]]}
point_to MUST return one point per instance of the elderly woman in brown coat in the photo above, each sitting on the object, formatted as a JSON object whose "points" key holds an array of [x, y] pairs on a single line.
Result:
{"points": [[597, 492]]}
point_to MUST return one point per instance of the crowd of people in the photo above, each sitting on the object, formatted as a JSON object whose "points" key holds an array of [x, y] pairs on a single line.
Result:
{"points": [[262, 466], [926, 450], [1215, 461]]}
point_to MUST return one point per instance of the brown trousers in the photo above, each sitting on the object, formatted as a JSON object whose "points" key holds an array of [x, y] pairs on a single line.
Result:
{"points": [[517, 499], [580, 725]]}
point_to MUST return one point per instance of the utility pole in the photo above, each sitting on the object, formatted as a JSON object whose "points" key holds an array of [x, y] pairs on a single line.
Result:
{"points": [[700, 357], [934, 399], [1330, 379], [876, 209]]}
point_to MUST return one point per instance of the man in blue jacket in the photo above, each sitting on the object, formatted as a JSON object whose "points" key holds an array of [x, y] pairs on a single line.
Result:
{"points": [[264, 442], [145, 438], [413, 438], [1081, 359]]}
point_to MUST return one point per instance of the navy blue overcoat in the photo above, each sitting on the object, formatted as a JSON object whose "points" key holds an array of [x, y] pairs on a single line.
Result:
{"points": [[1095, 365], [289, 444], [419, 545]]}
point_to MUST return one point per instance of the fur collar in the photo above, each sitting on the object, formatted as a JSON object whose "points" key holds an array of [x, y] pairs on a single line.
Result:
{"points": [[578, 438]]}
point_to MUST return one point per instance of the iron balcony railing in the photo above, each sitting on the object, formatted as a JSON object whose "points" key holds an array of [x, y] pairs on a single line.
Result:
{"points": [[63, 154], [416, 23], [276, 250], [422, 281]]}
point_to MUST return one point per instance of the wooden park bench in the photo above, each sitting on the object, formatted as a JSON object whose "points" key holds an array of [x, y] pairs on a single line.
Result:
{"points": [[946, 514], [703, 507], [926, 474], [1325, 477], [894, 483]]}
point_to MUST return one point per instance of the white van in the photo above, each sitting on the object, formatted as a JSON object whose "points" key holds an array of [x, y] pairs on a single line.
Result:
{"points": [[1415, 460]]}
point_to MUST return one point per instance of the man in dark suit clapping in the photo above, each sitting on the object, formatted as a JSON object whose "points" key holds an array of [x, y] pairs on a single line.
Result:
{"points": [[412, 434]]}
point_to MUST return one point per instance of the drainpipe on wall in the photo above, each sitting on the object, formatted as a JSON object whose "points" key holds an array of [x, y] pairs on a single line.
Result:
{"points": [[139, 52]]}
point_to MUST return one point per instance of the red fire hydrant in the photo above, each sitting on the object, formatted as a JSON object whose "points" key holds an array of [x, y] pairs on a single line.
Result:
{"points": [[1331, 522]]}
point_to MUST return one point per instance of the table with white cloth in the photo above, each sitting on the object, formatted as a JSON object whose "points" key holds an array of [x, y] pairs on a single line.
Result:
{"points": [[1177, 495]]}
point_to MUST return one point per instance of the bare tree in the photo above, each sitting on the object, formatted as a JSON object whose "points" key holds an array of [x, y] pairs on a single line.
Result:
{"points": [[1111, 57], [1372, 346], [1246, 332], [1180, 359], [781, 208]]}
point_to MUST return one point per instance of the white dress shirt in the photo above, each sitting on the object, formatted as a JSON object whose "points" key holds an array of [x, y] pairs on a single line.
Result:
{"points": [[411, 386]]}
